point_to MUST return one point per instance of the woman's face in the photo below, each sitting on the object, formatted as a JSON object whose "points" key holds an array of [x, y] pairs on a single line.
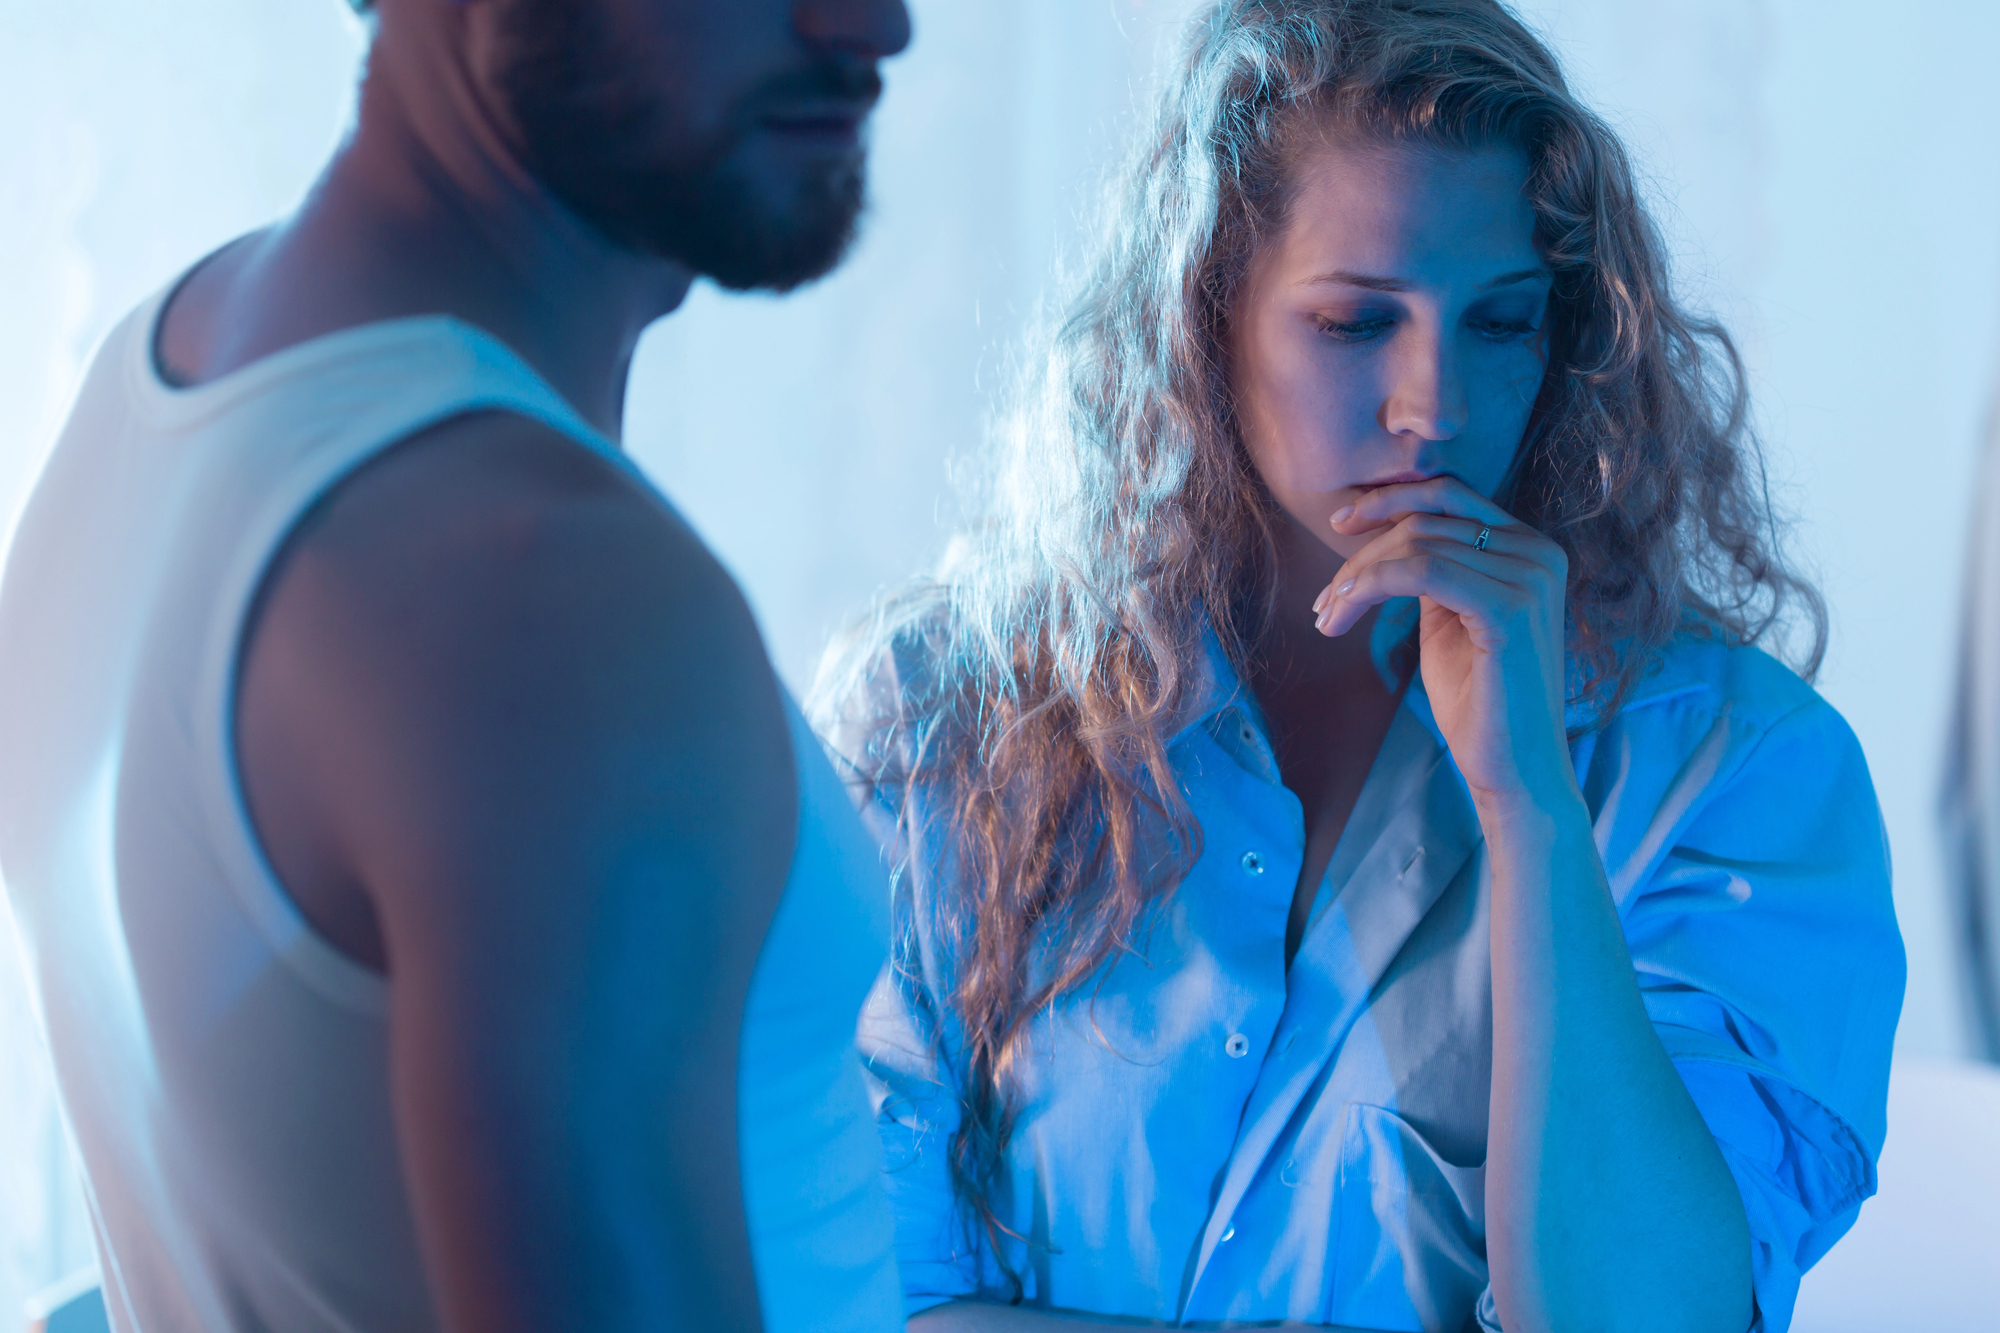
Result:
{"points": [[1393, 331]]}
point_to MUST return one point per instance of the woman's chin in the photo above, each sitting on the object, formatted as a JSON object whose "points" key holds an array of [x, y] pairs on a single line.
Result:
{"points": [[1313, 511], [1341, 545]]}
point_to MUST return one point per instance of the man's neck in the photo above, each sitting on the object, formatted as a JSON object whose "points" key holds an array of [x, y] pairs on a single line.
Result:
{"points": [[427, 210]]}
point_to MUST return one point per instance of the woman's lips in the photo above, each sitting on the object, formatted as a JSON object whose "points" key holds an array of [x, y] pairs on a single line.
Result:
{"points": [[1395, 479]]}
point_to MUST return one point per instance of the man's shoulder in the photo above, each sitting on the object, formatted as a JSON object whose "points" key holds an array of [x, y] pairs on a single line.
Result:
{"points": [[492, 474], [497, 549], [491, 638], [497, 507]]}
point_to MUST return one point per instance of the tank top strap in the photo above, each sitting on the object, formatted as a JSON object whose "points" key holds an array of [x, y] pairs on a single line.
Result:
{"points": [[378, 383]]}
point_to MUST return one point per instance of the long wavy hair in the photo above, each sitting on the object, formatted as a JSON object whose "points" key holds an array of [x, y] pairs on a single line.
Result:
{"points": [[1028, 689]]}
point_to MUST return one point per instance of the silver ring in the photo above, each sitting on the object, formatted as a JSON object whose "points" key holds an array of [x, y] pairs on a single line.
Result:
{"points": [[1479, 542]]}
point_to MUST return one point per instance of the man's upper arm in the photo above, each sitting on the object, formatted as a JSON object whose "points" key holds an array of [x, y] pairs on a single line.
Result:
{"points": [[500, 694]]}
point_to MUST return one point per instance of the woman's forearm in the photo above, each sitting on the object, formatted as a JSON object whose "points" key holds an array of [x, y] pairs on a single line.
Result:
{"points": [[1608, 1204]]}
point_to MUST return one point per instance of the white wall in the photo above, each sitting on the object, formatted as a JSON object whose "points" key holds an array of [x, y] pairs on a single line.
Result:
{"points": [[1830, 182], [1830, 178], [1883, 306]]}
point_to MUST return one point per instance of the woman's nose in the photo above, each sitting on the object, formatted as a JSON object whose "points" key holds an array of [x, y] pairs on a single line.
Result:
{"points": [[1426, 395]]}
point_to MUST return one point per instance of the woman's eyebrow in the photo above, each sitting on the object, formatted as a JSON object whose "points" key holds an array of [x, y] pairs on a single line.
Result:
{"points": [[1374, 282], [1342, 277], [1518, 275]]}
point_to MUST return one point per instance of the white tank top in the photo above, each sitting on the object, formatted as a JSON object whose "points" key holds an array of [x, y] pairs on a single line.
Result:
{"points": [[223, 1067]]}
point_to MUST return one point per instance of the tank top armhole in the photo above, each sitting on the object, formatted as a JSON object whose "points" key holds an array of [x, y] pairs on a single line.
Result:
{"points": [[492, 379]]}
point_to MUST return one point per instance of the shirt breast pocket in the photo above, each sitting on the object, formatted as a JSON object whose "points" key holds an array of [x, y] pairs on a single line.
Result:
{"points": [[1409, 1230]]}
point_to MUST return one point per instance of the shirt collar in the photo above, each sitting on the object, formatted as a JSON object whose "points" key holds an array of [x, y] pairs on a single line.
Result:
{"points": [[1223, 705], [1217, 686]]}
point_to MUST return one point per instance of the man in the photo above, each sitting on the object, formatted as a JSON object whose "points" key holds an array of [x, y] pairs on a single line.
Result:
{"points": [[395, 796]]}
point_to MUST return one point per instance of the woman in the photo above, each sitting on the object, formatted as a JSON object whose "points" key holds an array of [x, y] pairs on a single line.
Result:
{"points": [[1355, 868]]}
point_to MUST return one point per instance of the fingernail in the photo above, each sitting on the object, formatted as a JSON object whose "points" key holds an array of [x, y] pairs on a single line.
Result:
{"points": [[1340, 515], [1320, 623], [1345, 588]]}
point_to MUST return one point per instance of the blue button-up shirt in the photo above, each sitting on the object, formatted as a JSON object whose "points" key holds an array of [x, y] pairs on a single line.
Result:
{"points": [[1207, 1135]]}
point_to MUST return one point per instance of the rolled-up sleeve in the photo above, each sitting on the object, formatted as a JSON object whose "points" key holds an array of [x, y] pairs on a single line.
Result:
{"points": [[1766, 948], [916, 1116], [916, 1111]]}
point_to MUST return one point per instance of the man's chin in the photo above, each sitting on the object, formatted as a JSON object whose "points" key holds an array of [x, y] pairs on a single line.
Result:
{"points": [[779, 264], [749, 236], [771, 269]]}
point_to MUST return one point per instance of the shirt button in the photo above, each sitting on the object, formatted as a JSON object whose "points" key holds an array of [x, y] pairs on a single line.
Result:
{"points": [[1238, 1046], [1253, 864], [1229, 1234]]}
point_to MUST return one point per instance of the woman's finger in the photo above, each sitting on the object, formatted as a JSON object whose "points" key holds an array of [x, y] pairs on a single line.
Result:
{"points": [[1475, 536], [1483, 586], [1442, 494], [1482, 535]]}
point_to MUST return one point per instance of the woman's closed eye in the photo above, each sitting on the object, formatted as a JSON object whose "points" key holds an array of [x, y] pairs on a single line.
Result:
{"points": [[1365, 328], [1504, 330], [1369, 328]]}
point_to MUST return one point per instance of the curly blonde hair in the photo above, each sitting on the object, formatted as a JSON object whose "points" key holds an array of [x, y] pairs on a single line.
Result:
{"points": [[1029, 688]]}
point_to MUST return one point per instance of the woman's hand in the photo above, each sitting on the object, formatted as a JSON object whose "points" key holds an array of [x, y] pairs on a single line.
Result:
{"points": [[1491, 636], [1584, 1099]]}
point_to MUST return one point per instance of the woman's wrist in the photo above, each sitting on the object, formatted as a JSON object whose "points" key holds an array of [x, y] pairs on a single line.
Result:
{"points": [[1533, 819]]}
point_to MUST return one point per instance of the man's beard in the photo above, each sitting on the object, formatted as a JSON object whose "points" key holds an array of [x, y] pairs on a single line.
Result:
{"points": [[588, 140]]}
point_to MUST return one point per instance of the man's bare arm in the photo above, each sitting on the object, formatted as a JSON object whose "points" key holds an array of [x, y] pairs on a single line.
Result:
{"points": [[508, 731]]}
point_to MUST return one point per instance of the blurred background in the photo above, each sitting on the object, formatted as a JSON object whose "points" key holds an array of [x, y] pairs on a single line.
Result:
{"points": [[1828, 173]]}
